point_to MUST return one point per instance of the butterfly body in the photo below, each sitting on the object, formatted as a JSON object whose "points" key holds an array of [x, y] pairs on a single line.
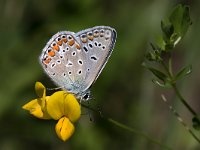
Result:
{"points": [[75, 60]]}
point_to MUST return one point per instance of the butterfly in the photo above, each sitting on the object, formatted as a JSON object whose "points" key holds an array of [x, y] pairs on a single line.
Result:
{"points": [[75, 60]]}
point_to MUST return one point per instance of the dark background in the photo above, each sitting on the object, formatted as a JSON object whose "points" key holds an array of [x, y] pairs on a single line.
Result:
{"points": [[123, 91]]}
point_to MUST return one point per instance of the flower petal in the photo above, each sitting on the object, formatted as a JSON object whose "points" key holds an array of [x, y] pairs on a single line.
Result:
{"points": [[55, 105], [35, 109], [40, 90], [71, 108], [64, 128]]}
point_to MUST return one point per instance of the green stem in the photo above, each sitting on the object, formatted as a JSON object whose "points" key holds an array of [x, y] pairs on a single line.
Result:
{"points": [[183, 100], [180, 119], [170, 66], [167, 69], [127, 128], [138, 133]]}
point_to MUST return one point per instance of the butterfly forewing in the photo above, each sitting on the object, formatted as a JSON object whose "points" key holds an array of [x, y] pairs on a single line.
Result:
{"points": [[62, 61], [97, 44]]}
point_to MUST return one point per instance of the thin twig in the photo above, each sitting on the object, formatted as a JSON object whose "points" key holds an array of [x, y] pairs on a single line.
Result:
{"points": [[179, 118], [176, 89], [127, 128]]}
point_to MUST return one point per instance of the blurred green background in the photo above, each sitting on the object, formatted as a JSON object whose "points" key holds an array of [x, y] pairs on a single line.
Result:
{"points": [[124, 90]]}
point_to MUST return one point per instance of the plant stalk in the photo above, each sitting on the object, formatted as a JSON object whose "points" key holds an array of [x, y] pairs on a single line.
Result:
{"points": [[127, 128]]}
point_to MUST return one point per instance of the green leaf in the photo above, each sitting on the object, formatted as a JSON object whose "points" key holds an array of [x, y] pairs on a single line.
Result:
{"points": [[196, 123], [160, 75], [180, 18], [163, 85], [167, 29], [183, 72], [153, 56], [160, 42], [153, 46], [175, 26]]}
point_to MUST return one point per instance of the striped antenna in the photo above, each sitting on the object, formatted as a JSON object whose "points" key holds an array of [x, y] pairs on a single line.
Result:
{"points": [[179, 118], [54, 89]]}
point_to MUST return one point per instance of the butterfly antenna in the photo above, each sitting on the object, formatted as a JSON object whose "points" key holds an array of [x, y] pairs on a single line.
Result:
{"points": [[99, 110], [179, 118], [54, 89], [89, 113]]}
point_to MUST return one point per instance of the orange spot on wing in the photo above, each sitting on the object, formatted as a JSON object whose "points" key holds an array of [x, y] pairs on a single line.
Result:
{"points": [[71, 42], [91, 38], [78, 46], [46, 60], [56, 47], [51, 53], [64, 40], [59, 42]]}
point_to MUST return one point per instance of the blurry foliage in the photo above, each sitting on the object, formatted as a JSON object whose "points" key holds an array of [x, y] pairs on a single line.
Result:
{"points": [[123, 90]]}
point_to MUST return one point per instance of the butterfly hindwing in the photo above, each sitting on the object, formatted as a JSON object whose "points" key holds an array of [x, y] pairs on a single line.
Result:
{"points": [[97, 44]]}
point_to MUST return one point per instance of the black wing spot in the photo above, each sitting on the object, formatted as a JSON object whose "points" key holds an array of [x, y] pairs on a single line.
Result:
{"points": [[53, 65], [69, 72], [90, 45], [79, 72], [54, 74], [88, 69], [85, 49], [80, 62], [90, 33], [64, 74], [70, 64], [93, 58], [99, 44], [69, 37], [74, 53], [103, 47], [83, 36]]}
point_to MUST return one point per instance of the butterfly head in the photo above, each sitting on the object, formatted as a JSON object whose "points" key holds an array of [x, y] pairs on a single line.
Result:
{"points": [[84, 96]]}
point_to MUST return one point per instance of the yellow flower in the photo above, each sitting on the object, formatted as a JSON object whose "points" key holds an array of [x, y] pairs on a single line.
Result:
{"points": [[61, 106]]}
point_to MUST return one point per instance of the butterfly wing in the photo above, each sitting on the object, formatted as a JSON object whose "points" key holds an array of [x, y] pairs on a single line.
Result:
{"points": [[97, 44], [62, 60]]}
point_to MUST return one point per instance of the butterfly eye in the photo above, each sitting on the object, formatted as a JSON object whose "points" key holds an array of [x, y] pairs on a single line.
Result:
{"points": [[96, 33], [84, 38], [101, 32]]}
